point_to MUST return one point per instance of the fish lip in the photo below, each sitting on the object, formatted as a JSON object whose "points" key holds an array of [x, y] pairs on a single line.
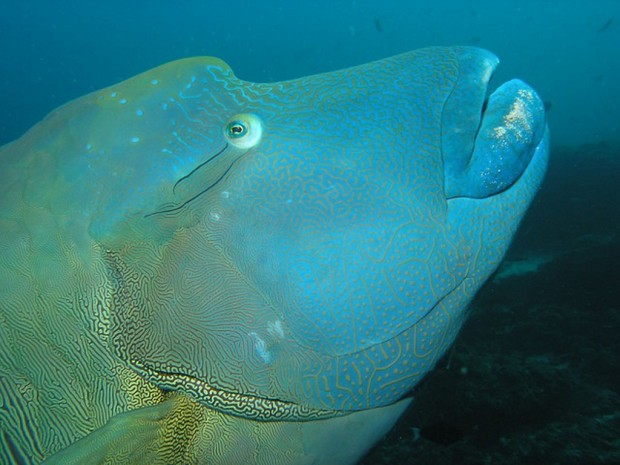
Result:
{"points": [[487, 79], [464, 110]]}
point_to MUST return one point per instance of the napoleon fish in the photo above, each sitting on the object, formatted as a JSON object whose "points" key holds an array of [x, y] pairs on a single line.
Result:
{"points": [[199, 269]]}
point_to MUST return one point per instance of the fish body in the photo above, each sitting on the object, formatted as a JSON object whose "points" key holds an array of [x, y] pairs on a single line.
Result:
{"points": [[201, 269]]}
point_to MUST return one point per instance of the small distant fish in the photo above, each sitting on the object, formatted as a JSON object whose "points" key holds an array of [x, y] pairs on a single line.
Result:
{"points": [[548, 104], [378, 26], [606, 26]]}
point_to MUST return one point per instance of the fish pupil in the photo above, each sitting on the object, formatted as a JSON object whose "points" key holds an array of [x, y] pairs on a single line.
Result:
{"points": [[236, 129]]}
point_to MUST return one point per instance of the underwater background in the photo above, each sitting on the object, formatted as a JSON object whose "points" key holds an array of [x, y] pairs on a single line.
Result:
{"points": [[534, 376]]}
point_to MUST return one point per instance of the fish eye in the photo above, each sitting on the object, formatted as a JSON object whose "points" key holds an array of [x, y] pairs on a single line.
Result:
{"points": [[244, 130], [236, 129]]}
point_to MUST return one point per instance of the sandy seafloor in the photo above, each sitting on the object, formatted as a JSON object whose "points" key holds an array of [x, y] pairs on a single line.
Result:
{"points": [[534, 377]]}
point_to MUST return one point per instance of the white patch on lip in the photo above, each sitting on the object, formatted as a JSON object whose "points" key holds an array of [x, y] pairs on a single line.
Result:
{"points": [[517, 122], [260, 346]]}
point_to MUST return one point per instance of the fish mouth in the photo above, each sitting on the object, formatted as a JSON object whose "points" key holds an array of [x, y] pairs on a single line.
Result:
{"points": [[512, 128], [488, 140]]}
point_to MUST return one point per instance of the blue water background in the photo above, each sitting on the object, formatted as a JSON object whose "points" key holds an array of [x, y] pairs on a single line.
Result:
{"points": [[534, 377], [53, 52]]}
